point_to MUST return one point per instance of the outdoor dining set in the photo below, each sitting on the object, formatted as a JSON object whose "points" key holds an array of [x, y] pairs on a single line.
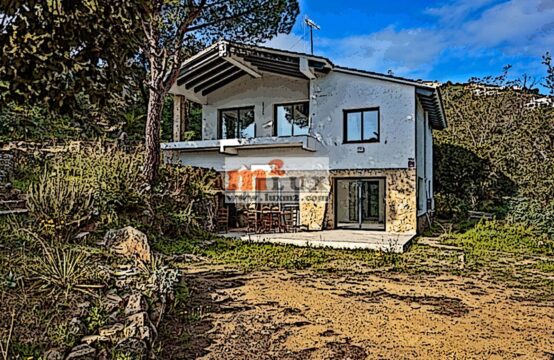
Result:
{"points": [[261, 219]]}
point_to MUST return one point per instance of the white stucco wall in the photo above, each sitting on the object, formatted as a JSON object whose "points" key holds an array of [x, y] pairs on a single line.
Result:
{"points": [[424, 157], [329, 95], [262, 93], [336, 92]]}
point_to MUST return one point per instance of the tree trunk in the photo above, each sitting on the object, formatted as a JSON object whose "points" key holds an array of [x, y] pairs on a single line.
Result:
{"points": [[152, 138]]}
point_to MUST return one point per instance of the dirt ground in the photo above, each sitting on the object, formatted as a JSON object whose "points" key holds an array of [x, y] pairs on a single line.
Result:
{"points": [[308, 315]]}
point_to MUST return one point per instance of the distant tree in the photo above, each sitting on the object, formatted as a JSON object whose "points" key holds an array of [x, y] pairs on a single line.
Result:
{"points": [[175, 29], [58, 53], [549, 78]]}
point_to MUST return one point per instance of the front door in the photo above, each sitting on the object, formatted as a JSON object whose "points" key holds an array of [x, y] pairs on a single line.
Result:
{"points": [[360, 203]]}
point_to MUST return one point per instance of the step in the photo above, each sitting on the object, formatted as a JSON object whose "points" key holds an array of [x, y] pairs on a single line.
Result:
{"points": [[13, 212]]}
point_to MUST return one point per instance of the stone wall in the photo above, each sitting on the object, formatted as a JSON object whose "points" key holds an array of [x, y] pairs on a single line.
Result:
{"points": [[400, 193], [7, 165]]}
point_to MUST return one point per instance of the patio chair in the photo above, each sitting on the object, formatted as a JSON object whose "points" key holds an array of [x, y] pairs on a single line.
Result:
{"points": [[287, 223], [266, 219], [223, 219], [253, 221]]}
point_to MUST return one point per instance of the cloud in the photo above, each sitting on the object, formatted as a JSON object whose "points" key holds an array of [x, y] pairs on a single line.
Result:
{"points": [[456, 11], [520, 26], [291, 42], [462, 28], [409, 51]]}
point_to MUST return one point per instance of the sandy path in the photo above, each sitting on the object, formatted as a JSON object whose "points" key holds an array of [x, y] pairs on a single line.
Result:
{"points": [[303, 315]]}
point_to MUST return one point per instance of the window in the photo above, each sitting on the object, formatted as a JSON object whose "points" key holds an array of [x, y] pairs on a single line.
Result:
{"points": [[237, 123], [292, 119], [361, 125]]}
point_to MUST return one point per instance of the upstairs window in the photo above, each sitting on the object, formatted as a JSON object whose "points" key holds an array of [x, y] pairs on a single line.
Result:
{"points": [[361, 125], [237, 123], [292, 119]]}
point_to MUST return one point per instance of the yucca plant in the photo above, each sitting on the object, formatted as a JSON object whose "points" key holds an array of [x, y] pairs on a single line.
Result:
{"points": [[62, 270]]}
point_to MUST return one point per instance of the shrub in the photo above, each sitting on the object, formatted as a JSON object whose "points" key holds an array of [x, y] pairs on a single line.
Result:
{"points": [[533, 213], [62, 270], [184, 202], [59, 205], [493, 236], [112, 175]]}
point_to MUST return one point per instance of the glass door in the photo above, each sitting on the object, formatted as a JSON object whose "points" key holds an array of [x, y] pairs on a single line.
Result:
{"points": [[360, 203]]}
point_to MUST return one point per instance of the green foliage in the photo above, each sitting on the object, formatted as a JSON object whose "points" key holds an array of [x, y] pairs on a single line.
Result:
{"points": [[250, 255], [497, 129], [24, 122], [489, 238], [55, 51], [96, 318], [158, 277], [183, 202], [62, 335], [546, 266], [497, 154], [101, 187], [112, 175], [62, 270], [59, 205], [467, 182], [533, 213]]}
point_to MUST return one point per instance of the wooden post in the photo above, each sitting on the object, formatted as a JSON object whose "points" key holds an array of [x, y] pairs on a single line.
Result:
{"points": [[179, 116]]}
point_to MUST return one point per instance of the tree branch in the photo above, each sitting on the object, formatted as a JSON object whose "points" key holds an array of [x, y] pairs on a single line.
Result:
{"points": [[224, 19]]}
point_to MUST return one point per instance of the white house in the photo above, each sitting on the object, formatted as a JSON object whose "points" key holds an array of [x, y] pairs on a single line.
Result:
{"points": [[373, 132]]}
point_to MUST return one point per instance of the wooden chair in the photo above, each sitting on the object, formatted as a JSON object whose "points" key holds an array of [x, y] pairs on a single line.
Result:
{"points": [[266, 219], [288, 221], [253, 221], [292, 218], [276, 215], [223, 219]]}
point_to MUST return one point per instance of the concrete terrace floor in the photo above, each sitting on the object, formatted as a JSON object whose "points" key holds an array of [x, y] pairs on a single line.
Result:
{"points": [[338, 239]]}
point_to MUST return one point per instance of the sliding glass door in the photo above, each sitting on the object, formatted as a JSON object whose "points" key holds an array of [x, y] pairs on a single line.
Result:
{"points": [[360, 203]]}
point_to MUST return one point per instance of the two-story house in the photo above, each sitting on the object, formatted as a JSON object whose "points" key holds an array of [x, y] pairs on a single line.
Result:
{"points": [[374, 131]]}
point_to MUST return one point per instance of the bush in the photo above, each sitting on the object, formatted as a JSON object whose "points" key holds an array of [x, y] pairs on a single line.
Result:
{"points": [[184, 201], [59, 205], [495, 236], [533, 213], [62, 270], [101, 187]]}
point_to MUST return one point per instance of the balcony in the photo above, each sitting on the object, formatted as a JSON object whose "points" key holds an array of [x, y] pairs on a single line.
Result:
{"points": [[232, 146]]}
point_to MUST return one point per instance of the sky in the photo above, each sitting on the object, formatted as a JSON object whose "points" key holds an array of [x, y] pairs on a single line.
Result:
{"points": [[432, 40]]}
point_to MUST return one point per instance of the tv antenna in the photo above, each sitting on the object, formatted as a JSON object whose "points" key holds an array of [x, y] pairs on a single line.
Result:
{"points": [[312, 26]]}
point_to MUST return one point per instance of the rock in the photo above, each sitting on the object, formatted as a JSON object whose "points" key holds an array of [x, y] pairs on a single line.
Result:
{"points": [[129, 241], [112, 301], [82, 352], [110, 331], [135, 304], [91, 339], [136, 348], [139, 326], [53, 354]]}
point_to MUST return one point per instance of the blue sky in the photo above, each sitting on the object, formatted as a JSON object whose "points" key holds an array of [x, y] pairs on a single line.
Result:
{"points": [[433, 40]]}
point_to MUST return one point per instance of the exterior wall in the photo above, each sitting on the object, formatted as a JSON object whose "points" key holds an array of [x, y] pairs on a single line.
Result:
{"points": [[335, 92], [329, 95], [424, 159], [262, 93], [215, 160], [400, 188]]}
